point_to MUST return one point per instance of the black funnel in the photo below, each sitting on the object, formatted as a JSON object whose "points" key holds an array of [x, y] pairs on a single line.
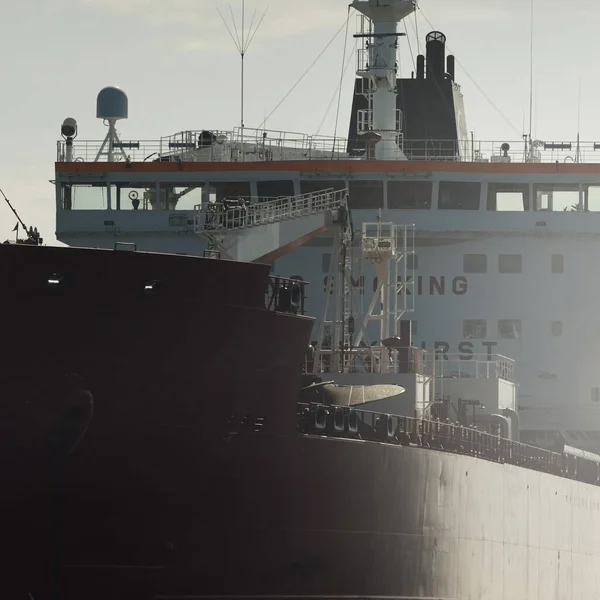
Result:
{"points": [[436, 54]]}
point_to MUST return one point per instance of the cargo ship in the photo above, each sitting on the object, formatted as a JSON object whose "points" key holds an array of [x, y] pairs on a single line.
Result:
{"points": [[171, 437]]}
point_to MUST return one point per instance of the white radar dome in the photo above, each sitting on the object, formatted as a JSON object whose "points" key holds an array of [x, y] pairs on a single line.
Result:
{"points": [[111, 103]]}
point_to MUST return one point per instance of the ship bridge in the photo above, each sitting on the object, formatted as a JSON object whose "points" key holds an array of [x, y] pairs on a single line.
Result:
{"points": [[144, 211]]}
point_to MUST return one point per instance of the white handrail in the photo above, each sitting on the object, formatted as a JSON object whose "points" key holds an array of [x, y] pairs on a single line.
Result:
{"points": [[244, 213]]}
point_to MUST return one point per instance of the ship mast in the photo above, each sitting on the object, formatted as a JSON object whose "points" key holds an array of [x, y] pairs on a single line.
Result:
{"points": [[344, 337], [377, 65]]}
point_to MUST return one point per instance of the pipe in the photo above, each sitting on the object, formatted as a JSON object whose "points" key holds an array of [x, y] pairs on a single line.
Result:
{"points": [[516, 423]]}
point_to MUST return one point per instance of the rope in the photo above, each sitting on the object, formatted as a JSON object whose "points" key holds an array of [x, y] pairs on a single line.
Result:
{"points": [[417, 28], [335, 92], [303, 74], [412, 58], [337, 115]]}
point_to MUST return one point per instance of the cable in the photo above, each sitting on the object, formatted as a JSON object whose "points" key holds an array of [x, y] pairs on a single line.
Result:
{"points": [[304, 74], [417, 27], [336, 90], [337, 114], [409, 48]]}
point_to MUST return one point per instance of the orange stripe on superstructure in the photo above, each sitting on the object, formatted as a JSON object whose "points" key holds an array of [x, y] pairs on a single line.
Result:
{"points": [[331, 166]]}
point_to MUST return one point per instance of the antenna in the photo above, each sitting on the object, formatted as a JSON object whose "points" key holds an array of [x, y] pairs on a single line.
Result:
{"points": [[527, 136], [14, 211], [531, 73], [33, 237], [242, 40], [111, 105], [578, 149]]}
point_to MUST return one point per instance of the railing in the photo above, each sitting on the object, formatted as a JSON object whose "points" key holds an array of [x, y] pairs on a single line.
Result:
{"points": [[257, 145], [238, 213], [370, 359], [346, 422], [285, 295], [478, 366], [87, 150]]}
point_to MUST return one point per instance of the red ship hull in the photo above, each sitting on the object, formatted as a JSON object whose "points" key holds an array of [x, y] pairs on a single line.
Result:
{"points": [[118, 403], [169, 464]]}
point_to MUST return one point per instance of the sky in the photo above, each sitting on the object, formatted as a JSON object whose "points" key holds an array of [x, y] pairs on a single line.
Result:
{"points": [[180, 70]]}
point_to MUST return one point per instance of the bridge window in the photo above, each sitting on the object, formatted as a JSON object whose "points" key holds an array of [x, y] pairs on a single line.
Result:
{"points": [[556, 328], [459, 195], [316, 185], [326, 262], [231, 189], [510, 263], [475, 263], [509, 328], [366, 194], [558, 263], [171, 197], [275, 189], [474, 329], [507, 196], [93, 196], [409, 194]]}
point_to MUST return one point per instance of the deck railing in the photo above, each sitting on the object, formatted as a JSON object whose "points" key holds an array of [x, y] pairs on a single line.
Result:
{"points": [[257, 145], [241, 213], [476, 366], [351, 423]]}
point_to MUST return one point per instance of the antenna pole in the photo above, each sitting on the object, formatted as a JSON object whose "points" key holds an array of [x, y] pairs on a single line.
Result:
{"points": [[16, 213], [242, 52], [242, 40], [578, 151], [531, 75]]}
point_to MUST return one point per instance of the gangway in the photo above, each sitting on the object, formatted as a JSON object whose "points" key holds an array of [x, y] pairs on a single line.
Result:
{"points": [[262, 231]]}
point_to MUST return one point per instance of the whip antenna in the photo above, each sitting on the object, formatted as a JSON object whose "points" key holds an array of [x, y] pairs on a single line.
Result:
{"points": [[242, 38]]}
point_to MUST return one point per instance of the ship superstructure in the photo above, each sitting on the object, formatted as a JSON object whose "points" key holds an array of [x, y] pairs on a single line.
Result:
{"points": [[498, 266]]}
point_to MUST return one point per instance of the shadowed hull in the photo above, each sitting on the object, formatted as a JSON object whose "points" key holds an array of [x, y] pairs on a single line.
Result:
{"points": [[171, 467], [113, 399], [267, 514]]}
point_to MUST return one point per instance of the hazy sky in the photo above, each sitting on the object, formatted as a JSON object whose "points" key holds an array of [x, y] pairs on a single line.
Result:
{"points": [[179, 67]]}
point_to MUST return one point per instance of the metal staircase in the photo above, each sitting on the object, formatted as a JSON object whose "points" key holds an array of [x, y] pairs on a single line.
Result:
{"points": [[265, 229], [240, 213]]}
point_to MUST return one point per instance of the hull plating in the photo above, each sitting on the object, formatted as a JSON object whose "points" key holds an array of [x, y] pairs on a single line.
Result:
{"points": [[289, 515], [189, 479]]}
